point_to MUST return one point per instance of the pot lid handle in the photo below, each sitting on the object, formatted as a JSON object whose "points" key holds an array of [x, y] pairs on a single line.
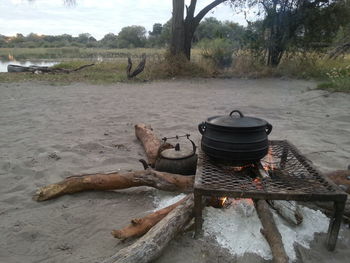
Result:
{"points": [[240, 113]]}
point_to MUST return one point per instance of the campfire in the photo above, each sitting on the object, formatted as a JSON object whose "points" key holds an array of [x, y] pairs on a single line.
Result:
{"points": [[283, 175]]}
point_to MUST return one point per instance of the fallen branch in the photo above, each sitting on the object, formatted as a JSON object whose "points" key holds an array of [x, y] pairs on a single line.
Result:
{"points": [[35, 69], [138, 69], [140, 226], [149, 140], [113, 181], [151, 245], [270, 231]]}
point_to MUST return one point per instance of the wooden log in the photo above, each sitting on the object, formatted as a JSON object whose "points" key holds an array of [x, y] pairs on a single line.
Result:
{"points": [[140, 226], [112, 181], [289, 210], [341, 178], [270, 231], [151, 245], [149, 141]]}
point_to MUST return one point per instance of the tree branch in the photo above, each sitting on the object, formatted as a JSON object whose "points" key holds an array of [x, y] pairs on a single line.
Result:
{"points": [[190, 10], [206, 9]]}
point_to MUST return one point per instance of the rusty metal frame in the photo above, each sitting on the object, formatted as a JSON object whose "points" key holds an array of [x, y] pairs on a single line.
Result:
{"points": [[300, 181]]}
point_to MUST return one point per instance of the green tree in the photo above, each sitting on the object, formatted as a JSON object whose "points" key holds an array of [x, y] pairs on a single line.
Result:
{"points": [[183, 28], [132, 36], [282, 20], [109, 41], [154, 38]]}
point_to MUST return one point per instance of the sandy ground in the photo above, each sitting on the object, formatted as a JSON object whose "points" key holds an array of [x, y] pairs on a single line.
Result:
{"points": [[49, 132]]}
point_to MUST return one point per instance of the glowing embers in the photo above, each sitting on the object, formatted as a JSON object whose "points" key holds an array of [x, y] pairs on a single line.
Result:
{"points": [[270, 162]]}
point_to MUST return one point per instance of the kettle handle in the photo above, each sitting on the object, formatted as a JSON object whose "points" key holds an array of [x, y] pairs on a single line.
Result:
{"points": [[268, 128], [193, 145], [239, 112]]}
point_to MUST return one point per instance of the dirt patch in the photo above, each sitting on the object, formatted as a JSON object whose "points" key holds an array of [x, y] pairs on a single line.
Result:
{"points": [[49, 132]]}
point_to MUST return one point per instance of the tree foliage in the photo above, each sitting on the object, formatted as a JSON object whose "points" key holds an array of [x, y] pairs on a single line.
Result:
{"points": [[131, 37]]}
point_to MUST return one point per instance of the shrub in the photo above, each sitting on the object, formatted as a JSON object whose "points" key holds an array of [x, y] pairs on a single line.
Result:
{"points": [[171, 66], [217, 50], [339, 79]]}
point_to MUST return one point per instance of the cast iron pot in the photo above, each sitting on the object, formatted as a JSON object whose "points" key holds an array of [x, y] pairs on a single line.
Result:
{"points": [[235, 138]]}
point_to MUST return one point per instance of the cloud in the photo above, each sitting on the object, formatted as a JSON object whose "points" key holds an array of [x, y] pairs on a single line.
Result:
{"points": [[89, 16]]}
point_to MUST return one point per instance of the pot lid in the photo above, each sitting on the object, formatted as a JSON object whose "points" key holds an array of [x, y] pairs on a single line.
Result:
{"points": [[177, 153], [239, 121]]}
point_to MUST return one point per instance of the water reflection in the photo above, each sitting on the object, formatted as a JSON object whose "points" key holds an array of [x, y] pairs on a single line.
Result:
{"points": [[3, 64]]}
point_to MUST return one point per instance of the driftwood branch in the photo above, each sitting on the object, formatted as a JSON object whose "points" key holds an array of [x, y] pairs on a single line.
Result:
{"points": [[140, 226], [140, 67], [57, 70], [151, 245], [270, 232], [149, 141], [113, 181]]}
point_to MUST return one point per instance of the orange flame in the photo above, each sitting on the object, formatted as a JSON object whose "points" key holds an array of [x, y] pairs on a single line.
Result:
{"points": [[269, 161], [257, 183], [222, 201]]}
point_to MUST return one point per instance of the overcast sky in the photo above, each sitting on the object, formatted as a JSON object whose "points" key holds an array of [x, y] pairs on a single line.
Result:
{"points": [[97, 17]]}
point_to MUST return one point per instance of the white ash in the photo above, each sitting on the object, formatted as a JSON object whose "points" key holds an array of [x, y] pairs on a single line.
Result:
{"points": [[164, 199], [237, 227]]}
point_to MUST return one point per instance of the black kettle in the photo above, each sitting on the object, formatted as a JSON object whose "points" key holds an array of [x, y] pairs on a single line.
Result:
{"points": [[178, 160]]}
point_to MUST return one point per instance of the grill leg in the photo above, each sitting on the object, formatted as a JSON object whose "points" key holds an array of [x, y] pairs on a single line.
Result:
{"points": [[334, 225], [198, 221]]}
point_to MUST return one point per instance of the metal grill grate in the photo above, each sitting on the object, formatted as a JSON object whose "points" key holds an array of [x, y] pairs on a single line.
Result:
{"points": [[296, 179]]}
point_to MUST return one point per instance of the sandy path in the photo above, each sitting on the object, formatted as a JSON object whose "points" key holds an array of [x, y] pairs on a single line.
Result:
{"points": [[49, 132]]}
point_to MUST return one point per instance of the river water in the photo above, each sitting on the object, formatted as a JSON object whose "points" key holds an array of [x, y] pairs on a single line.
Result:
{"points": [[42, 63]]}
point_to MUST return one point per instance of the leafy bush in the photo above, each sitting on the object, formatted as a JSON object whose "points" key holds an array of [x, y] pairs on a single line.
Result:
{"points": [[339, 79], [217, 50]]}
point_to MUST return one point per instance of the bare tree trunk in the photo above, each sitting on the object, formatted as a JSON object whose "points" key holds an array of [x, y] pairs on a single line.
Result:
{"points": [[183, 30], [178, 28]]}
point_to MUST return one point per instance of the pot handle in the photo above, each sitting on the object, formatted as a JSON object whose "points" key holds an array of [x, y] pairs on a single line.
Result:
{"points": [[193, 145], [268, 128], [240, 113], [202, 128]]}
